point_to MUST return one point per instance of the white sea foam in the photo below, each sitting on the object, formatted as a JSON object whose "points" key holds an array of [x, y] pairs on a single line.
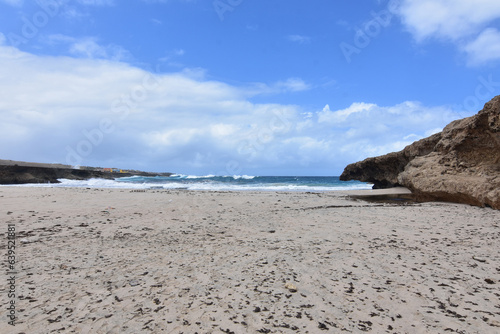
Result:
{"points": [[210, 176], [245, 177], [183, 183], [199, 177]]}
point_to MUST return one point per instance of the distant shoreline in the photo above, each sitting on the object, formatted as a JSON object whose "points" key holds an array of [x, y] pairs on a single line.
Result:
{"points": [[32, 173], [21, 172]]}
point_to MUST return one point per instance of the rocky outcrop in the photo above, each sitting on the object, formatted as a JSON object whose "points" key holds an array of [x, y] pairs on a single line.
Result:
{"points": [[21, 173], [383, 171], [460, 164], [24, 174]]}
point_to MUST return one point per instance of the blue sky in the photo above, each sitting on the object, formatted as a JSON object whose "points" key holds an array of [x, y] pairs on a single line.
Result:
{"points": [[236, 86]]}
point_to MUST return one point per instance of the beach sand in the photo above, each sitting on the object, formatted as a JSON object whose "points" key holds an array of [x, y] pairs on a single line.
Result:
{"points": [[158, 261]]}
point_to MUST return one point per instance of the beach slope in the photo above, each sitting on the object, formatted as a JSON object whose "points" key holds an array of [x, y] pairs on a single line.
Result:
{"points": [[158, 261]]}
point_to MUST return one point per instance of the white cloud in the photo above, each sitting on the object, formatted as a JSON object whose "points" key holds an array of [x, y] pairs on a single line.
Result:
{"points": [[72, 13], [171, 137], [485, 48], [88, 47], [366, 129], [450, 19], [96, 2], [463, 22], [326, 115], [223, 130], [293, 85], [288, 85], [432, 132], [299, 39], [49, 102], [111, 113], [79, 9], [157, 22], [171, 55]]}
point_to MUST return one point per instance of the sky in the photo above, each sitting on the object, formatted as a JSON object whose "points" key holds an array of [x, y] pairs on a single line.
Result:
{"points": [[238, 87]]}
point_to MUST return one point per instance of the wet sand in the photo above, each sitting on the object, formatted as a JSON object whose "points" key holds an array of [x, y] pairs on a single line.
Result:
{"points": [[158, 261]]}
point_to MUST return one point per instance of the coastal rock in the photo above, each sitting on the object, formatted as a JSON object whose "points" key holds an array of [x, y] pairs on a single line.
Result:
{"points": [[383, 171], [460, 164], [24, 174], [19, 172]]}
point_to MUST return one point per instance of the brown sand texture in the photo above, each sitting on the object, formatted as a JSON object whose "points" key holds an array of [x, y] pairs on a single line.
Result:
{"points": [[160, 261]]}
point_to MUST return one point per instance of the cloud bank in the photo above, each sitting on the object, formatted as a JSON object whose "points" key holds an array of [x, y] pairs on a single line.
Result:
{"points": [[103, 112], [466, 23]]}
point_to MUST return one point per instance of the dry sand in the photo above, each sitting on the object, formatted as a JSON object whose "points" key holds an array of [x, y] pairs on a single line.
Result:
{"points": [[155, 261]]}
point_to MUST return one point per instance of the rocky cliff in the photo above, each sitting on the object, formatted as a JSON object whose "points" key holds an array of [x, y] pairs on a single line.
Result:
{"points": [[14, 172], [460, 164], [24, 174]]}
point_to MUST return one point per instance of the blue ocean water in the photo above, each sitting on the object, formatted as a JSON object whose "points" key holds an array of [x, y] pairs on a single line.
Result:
{"points": [[245, 182], [212, 182]]}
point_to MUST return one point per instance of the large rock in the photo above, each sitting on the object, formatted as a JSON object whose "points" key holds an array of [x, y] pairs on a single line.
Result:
{"points": [[460, 164], [27, 174], [19, 172]]}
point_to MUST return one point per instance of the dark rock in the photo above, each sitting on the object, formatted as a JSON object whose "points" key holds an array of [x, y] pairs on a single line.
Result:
{"points": [[25, 174], [460, 164], [383, 171], [39, 173]]}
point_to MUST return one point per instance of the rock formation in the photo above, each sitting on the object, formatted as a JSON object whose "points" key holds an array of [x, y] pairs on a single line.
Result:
{"points": [[26, 174], [460, 164], [17, 172]]}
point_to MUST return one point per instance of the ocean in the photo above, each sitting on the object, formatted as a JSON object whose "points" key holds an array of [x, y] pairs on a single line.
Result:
{"points": [[212, 182]]}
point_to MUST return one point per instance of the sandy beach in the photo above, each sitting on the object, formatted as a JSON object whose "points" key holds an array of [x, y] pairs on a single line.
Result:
{"points": [[159, 261]]}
